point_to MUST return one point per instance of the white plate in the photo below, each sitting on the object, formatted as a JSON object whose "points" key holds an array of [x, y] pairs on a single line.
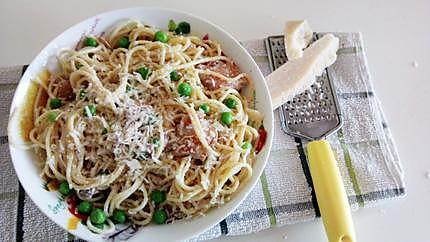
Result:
{"points": [[55, 208]]}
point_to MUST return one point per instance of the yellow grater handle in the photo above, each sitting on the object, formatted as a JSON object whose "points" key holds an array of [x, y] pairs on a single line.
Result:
{"points": [[330, 192]]}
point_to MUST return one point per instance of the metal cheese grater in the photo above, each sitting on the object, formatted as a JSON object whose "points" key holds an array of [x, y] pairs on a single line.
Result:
{"points": [[313, 115]]}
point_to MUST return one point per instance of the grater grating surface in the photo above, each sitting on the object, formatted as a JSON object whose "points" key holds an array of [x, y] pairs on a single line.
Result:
{"points": [[313, 114]]}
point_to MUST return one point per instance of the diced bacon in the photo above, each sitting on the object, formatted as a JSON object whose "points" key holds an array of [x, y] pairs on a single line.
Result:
{"points": [[228, 69], [189, 144], [190, 147], [64, 90]]}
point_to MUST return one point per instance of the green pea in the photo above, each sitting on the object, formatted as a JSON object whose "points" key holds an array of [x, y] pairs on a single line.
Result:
{"points": [[90, 110], [230, 102], [144, 72], [52, 116], [184, 89], [82, 94], [226, 118], [246, 145], [90, 42], [119, 217], [55, 103], [85, 207], [171, 25], [174, 76], [64, 188], [158, 196], [161, 36], [183, 28], [205, 108], [159, 216], [123, 42], [98, 216]]}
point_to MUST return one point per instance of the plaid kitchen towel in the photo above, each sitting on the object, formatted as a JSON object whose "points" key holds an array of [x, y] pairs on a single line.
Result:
{"points": [[364, 148]]}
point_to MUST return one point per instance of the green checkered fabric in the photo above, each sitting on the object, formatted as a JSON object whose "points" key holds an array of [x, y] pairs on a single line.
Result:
{"points": [[364, 148]]}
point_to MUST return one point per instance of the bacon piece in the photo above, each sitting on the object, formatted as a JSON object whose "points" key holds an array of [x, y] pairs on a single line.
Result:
{"points": [[188, 143], [64, 90], [228, 69]]}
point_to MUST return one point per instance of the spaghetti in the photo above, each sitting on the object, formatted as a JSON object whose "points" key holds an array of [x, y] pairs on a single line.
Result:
{"points": [[129, 116]]}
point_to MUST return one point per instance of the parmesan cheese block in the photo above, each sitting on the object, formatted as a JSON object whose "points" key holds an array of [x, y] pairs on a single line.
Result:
{"points": [[297, 75], [298, 35]]}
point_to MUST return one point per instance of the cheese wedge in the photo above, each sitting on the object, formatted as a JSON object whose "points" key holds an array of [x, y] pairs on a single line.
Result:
{"points": [[297, 75], [298, 35]]}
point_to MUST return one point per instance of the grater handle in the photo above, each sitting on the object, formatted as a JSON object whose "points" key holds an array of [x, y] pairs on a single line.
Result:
{"points": [[330, 192]]}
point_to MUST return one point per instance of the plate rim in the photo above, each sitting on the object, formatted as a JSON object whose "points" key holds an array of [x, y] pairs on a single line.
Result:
{"points": [[236, 200]]}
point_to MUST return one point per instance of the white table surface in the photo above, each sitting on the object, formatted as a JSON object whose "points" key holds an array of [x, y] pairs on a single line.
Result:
{"points": [[396, 33]]}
